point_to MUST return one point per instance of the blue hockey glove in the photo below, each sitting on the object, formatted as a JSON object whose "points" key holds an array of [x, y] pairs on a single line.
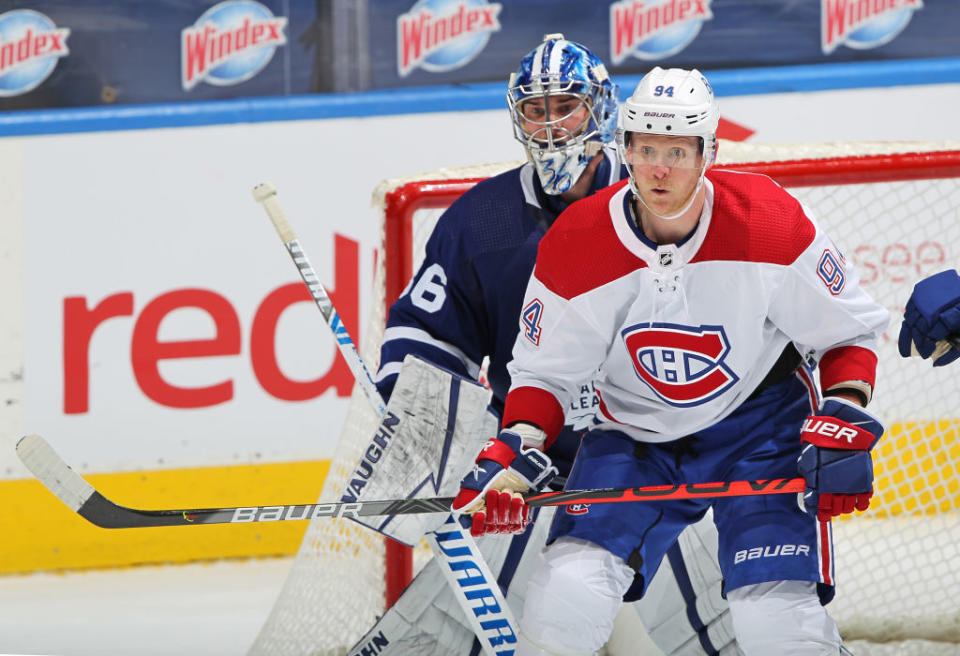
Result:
{"points": [[932, 315], [503, 468], [835, 459]]}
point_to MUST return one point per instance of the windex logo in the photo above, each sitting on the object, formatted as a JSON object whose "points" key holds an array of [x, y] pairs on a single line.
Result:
{"points": [[230, 43], [863, 24], [30, 47], [653, 29], [442, 35]]}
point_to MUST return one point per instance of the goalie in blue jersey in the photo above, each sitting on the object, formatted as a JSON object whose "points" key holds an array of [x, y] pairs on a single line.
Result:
{"points": [[462, 306]]}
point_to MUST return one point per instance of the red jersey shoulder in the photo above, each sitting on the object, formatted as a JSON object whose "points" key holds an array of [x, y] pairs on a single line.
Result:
{"points": [[754, 220], [581, 250]]}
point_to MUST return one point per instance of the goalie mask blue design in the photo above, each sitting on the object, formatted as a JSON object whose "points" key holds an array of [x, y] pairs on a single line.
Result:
{"points": [[563, 105]]}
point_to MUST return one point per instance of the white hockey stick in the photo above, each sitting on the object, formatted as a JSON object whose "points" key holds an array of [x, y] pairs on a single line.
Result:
{"points": [[266, 195], [498, 628]]}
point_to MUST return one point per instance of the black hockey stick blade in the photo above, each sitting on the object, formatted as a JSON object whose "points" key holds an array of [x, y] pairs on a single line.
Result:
{"points": [[50, 469], [68, 486]]}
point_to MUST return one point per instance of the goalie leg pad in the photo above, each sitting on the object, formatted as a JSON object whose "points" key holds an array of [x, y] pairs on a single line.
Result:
{"points": [[435, 424], [573, 597], [783, 618], [427, 619], [528, 647]]}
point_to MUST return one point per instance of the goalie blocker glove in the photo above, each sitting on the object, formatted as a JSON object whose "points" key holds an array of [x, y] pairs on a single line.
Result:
{"points": [[932, 315], [835, 459], [490, 491]]}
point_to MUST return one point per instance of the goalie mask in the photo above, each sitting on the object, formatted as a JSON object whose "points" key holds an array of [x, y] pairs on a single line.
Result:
{"points": [[673, 102], [563, 108]]}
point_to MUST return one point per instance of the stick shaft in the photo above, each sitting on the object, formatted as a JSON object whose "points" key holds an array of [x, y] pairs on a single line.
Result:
{"points": [[266, 195], [50, 469]]}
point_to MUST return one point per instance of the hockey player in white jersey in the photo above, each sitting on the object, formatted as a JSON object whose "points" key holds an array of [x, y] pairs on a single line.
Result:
{"points": [[699, 301], [462, 305]]}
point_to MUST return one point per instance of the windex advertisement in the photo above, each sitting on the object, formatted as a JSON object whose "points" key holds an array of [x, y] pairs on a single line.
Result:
{"points": [[31, 45], [54, 54], [229, 44], [863, 25], [440, 35], [654, 31]]}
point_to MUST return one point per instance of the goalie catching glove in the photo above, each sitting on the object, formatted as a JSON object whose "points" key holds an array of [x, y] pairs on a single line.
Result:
{"points": [[490, 492], [835, 459]]}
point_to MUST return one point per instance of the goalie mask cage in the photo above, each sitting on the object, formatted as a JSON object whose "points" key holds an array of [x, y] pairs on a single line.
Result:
{"points": [[894, 211]]}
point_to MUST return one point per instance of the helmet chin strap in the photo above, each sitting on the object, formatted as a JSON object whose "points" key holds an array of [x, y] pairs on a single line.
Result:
{"points": [[683, 210]]}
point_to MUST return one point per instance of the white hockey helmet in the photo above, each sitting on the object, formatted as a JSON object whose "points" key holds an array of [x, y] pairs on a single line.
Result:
{"points": [[673, 102], [558, 150]]}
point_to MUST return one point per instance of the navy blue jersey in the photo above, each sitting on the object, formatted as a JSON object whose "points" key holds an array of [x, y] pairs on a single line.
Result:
{"points": [[463, 303]]}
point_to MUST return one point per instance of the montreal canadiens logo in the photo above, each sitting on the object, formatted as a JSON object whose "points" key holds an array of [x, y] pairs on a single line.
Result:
{"points": [[683, 365], [654, 29], [863, 24], [30, 47], [230, 43], [442, 35]]}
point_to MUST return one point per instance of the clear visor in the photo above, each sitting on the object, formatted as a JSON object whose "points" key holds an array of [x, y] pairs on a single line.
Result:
{"points": [[650, 150], [552, 121]]}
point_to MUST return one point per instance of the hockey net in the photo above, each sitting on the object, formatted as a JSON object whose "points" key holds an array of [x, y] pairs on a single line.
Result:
{"points": [[894, 209]]}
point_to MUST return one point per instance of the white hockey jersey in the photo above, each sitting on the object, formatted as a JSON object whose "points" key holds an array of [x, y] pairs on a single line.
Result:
{"points": [[677, 336]]}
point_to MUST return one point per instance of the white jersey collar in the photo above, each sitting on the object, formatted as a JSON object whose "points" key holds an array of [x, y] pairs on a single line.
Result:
{"points": [[655, 256]]}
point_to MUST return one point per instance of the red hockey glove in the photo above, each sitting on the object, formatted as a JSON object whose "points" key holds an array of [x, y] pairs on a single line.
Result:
{"points": [[835, 460], [503, 467], [504, 512]]}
